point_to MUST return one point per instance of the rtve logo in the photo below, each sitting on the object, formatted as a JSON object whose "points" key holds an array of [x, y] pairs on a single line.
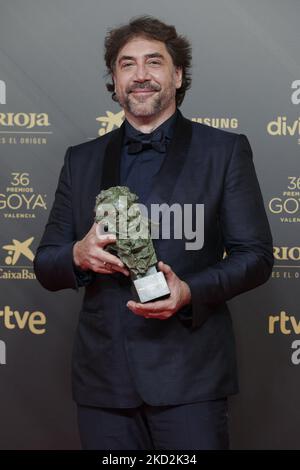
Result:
{"points": [[35, 321]]}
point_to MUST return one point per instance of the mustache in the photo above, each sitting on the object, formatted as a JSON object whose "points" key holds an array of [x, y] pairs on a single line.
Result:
{"points": [[144, 86]]}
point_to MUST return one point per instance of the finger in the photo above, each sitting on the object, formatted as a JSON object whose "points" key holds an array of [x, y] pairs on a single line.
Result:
{"points": [[165, 268], [104, 267], [148, 314], [104, 256], [111, 268], [149, 307], [116, 268], [103, 270], [103, 240], [161, 316], [158, 316], [94, 227]]}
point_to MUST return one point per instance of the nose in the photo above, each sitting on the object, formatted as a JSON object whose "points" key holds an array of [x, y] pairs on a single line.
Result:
{"points": [[141, 73]]}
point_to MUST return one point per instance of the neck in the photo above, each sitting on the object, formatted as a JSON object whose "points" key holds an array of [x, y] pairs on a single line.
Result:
{"points": [[147, 124]]}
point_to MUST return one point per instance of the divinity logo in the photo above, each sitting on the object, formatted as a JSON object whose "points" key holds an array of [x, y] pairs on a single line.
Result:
{"points": [[2, 92], [164, 222]]}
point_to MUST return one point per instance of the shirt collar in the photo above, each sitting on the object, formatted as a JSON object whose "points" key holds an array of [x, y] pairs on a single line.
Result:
{"points": [[167, 127]]}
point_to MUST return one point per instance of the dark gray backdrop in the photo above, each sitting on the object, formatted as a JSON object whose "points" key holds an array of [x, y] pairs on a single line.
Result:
{"points": [[245, 60]]}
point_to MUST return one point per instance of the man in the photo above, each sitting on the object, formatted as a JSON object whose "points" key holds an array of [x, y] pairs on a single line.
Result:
{"points": [[156, 375]]}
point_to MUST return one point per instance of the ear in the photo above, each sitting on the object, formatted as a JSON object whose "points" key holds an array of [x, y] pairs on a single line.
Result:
{"points": [[178, 77]]}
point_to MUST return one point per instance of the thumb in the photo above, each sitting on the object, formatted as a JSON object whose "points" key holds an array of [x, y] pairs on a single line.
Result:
{"points": [[165, 268]]}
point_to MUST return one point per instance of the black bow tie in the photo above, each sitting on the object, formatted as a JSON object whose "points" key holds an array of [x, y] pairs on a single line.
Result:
{"points": [[157, 141]]}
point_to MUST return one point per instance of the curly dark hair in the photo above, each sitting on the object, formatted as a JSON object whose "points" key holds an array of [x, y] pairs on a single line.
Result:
{"points": [[149, 27]]}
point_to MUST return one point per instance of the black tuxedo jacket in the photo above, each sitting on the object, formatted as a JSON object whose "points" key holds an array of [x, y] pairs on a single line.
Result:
{"points": [[121, 359]]}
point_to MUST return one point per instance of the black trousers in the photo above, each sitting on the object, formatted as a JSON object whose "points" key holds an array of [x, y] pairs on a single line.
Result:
{"points": [[193, 426]]}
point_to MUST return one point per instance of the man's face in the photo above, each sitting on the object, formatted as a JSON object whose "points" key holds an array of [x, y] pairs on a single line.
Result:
{"points": [[145, 78]]}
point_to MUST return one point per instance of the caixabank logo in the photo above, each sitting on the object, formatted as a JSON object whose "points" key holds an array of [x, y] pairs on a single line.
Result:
{"points": [[22, 127], [16, 257], [112, 121], [287, 126]]}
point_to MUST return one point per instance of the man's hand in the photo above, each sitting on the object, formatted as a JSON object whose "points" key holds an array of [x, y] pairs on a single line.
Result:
{"points": [[89, 253], [163, 309]]}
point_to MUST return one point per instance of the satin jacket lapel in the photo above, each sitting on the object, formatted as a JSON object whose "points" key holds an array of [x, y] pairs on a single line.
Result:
{"points": [[112, 160], [109, 176]]}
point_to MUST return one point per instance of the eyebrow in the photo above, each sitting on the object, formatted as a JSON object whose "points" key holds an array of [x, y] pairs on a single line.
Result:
{"points": [[147, 56]]}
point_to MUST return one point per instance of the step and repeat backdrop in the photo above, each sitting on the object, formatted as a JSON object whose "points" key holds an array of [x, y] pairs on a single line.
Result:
{"points": [[246, 79]]}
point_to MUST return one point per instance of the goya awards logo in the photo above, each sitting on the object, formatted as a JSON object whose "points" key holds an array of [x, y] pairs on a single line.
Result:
{"points": [[286, 126], [287, 325], [110, 122], [19, 200], [286, 206], [22, 127], [17, 257]]}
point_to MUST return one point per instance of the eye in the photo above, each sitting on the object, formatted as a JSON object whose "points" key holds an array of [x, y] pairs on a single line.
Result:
{"points": [[127, 64]]}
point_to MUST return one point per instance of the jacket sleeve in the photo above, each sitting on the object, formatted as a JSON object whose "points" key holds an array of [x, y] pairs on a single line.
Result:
{"points": [[246, 236], [53, 263]]}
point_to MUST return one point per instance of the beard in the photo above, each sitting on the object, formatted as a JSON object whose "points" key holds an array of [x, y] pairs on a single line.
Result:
{"points": [[151, 105]]}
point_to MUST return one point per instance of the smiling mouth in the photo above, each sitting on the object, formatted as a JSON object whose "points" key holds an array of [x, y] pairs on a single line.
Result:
{"points": [[142, 91]]}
